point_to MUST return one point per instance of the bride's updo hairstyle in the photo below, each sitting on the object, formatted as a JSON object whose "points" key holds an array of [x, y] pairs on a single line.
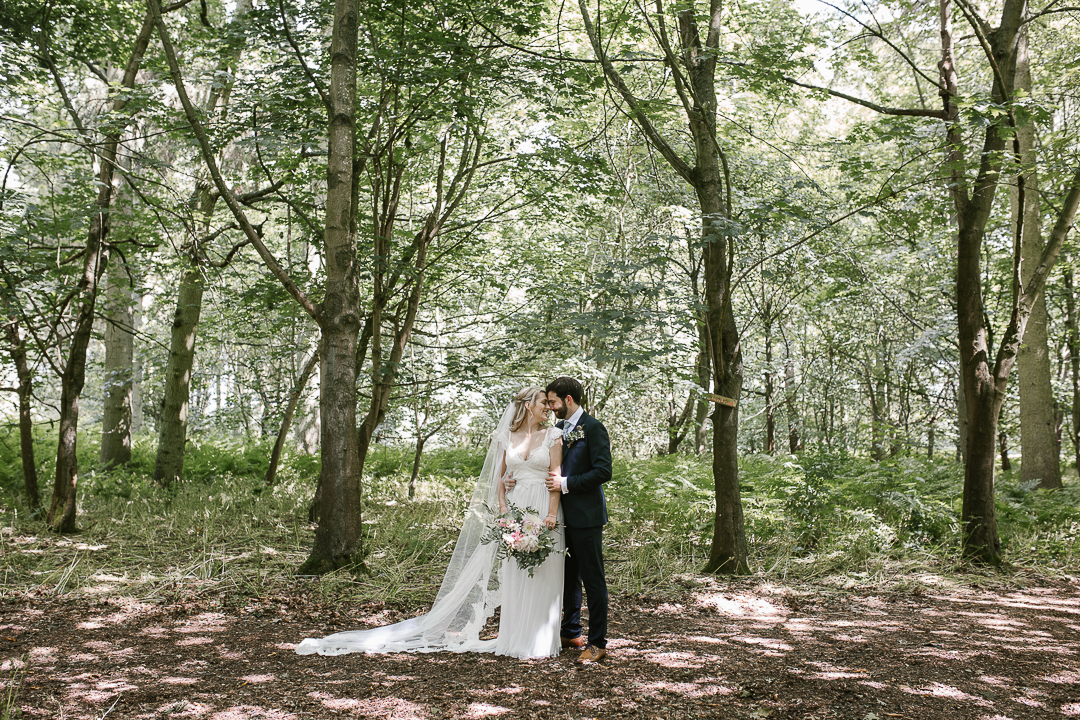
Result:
{"points": [[521, 405]]}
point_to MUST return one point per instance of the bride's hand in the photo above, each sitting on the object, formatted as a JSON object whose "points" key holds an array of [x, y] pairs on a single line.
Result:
{"points": [[550, 521]]}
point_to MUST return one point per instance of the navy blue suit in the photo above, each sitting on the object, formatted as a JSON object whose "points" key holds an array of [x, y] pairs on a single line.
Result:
{"points": [[587, 466]]}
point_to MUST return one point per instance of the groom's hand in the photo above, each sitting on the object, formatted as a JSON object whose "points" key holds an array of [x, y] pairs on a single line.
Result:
{"points": [[555, 482], [509, 482]]}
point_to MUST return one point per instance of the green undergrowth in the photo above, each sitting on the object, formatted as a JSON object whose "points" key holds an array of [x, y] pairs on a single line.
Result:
{"points": [[819, 517]]}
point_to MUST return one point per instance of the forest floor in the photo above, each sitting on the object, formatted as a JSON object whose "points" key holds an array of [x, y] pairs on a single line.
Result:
{"points": [[969, 647]]}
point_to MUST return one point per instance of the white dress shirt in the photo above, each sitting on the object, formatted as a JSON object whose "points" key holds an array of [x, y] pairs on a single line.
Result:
{"points": [[569, 424]]}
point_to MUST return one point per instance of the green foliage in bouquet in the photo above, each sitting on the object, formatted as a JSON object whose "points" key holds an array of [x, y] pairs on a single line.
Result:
{"points": [[522, 536]]}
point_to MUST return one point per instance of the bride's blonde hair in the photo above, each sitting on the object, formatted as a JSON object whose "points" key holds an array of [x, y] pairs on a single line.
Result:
{"points": [[521, 405]]}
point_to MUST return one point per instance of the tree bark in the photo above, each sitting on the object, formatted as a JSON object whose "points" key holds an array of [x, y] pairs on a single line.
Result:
{"points": [[172, 425], [794, 439], [1003, 448], [337, 537], [678, 423], [984, 384], [704, 379], [729, 552], [694, 75], [62, 510], [119, 369], [290, 409], [961, 421], [1040, 458], [1073, 340], [418, 453], [770, 409], [17, 348], [338, 541]]}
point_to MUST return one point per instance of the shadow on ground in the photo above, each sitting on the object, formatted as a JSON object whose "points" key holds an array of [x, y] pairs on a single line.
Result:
{"points": [[729, 650]]}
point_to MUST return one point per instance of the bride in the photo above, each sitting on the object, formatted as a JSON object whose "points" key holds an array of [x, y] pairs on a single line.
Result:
{"points": [[474, 585]]}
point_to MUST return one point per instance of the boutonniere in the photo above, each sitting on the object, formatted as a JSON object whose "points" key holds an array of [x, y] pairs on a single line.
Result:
{"points": [[573, 436]]}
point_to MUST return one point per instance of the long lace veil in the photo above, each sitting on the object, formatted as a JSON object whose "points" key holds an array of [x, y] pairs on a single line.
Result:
{"points": [[469, 593]]}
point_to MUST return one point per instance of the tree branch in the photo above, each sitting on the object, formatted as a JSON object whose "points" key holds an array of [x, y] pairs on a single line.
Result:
{"points": [[637, 113], [660, 33], [1049, 11], [1014, 335], [300, 56], [906, 112], [211, 164], [881, 36]]}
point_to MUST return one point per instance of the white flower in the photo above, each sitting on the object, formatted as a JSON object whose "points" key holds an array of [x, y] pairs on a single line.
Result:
{"points": [[529, 543], [532, 524]]}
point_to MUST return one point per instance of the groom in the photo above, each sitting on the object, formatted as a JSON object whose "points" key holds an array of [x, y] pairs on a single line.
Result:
{"points": [[586, 462]]}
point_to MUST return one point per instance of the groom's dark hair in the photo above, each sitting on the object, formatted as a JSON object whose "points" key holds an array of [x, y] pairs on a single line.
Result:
{"points": [[563, 386]]}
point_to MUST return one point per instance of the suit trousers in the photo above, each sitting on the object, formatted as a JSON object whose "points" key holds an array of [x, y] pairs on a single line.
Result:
{"points": [[585, 569]]}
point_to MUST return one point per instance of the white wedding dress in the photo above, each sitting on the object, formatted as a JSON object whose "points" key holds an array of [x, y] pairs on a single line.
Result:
{"points": [[475, 584], [532, 606]]}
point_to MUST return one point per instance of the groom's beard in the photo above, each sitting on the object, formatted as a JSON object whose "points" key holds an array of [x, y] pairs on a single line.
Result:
{"points": [[561, 413]]}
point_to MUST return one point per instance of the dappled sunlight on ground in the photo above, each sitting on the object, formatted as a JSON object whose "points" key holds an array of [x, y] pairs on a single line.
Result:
{"points": [[483, 710], [387, 707], [945, 691], [745, 606], [250, 712], [828, 671], [743, 652]]}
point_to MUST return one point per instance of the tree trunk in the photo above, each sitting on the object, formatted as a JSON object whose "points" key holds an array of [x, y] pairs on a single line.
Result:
{"points": [[701, 414], [172, 426], [961, 422], [290, 408], [678, 424], [694, 75], [17, 346], [119, 370], [62, 510], [1003, 448], [983, 405], [411, 271], [973, 199], [338, 541], [417, 454], [770, 409], [729, 552], [877, 415], [1073, 340], [931, 436], [1040, 458], [136, 366], [337, 537], [794, 440], [384, 370]]}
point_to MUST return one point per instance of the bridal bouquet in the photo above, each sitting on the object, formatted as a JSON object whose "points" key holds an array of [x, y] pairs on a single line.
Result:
{"points": [[521, 535]]}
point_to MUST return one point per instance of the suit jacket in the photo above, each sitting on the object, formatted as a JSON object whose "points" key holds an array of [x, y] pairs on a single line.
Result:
{"points": [[587, 466]]}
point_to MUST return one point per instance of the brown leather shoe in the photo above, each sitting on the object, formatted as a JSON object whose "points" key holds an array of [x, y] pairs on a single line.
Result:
{"points": [[591, 654], [577, 642]]}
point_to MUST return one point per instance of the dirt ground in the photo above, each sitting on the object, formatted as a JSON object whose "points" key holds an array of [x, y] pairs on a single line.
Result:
{"points": [[742, 649]]}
